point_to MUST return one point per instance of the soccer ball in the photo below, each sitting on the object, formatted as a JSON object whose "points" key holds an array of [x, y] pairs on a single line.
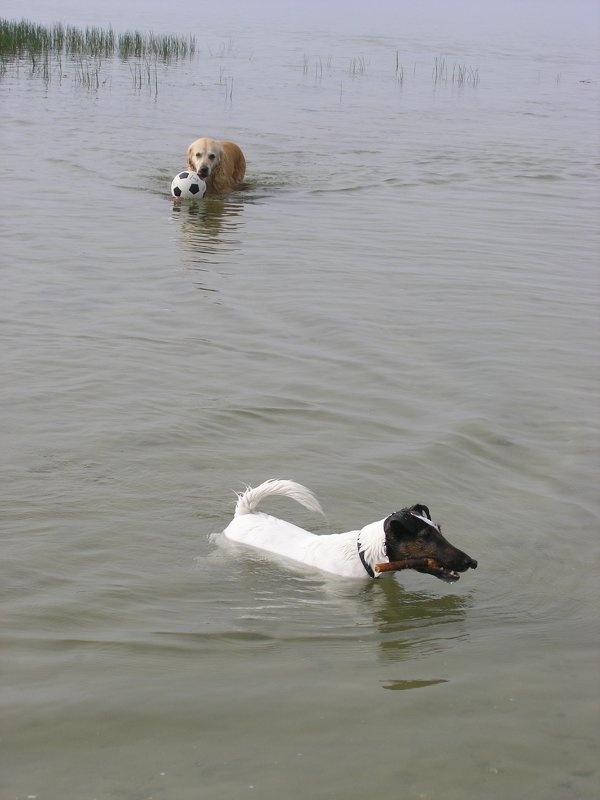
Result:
{"points": [[188, 186]]}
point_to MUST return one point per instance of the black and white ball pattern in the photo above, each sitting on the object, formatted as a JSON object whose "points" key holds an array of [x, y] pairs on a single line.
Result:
{"points": [[187, 186]]}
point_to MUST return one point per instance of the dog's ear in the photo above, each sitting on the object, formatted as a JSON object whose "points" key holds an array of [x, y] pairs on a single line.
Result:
{"points": [[421, 510], [402, 524], [189, 157], [407, 522]]}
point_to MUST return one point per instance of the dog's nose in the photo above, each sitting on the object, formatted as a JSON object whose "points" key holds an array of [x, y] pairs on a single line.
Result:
{"points": [[470, 562], [203, 172]]}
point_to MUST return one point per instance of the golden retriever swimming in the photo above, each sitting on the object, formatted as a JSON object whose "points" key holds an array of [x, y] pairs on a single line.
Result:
{"points": [[220, 164]]}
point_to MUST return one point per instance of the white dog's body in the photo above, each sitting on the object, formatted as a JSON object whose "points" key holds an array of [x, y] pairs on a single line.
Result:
{"points": [[337, 553], [405, 539]]}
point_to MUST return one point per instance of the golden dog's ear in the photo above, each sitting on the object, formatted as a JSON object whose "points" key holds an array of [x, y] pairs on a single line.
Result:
{"points": [[189, 157]]}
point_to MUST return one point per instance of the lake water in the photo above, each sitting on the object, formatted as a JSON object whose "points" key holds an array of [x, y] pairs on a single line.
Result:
{"points": [[400, 306]]}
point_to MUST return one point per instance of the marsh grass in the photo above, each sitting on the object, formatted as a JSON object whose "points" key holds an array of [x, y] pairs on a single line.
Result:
{"points": [[443, 75], [440, 70], [462, 74], [321, 68], [399, 69], [87, 72], [358, 66], [19, 39], [43, 49], [144, 74], [227, 82], [164, 48]]}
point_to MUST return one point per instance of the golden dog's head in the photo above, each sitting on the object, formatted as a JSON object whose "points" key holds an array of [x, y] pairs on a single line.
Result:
{"points": [[204, 156]]}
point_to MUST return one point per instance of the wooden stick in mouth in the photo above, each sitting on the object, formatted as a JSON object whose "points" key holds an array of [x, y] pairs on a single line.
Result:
{"points": [[406, 563]]}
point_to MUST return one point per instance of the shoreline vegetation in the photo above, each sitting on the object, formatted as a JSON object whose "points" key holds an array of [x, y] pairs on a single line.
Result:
{"points": [[25, 39], [46, 51]]}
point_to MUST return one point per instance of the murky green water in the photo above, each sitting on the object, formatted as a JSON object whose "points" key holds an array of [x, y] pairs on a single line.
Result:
{"points": [[400, 306]]}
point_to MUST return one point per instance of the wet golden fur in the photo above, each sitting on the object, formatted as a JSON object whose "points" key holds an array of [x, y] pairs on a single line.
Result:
{"points": [[220, 163]]}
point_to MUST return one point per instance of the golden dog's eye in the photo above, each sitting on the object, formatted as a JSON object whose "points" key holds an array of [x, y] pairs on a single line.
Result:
{"points": [[198, 155], [212, 156]]}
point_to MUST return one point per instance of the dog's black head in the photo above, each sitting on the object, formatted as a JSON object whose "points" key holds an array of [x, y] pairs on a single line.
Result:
{"points": [[410, 535]]}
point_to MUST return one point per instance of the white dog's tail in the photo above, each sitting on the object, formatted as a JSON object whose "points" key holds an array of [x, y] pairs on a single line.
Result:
{"points": [[248, 500]]}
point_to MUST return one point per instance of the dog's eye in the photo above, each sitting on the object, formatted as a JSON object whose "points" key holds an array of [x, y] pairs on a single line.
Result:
{"points": [[212, 156], [198, 155]]}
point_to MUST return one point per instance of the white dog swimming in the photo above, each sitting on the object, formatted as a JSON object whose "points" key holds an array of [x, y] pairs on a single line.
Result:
{"points": [[406, 539]]}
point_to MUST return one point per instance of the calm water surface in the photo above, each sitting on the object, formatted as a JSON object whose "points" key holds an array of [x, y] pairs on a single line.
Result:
{"points": [[399, 306]]}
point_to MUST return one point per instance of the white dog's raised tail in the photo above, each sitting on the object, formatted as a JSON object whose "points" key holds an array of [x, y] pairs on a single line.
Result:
{"points": [[249, 500]]}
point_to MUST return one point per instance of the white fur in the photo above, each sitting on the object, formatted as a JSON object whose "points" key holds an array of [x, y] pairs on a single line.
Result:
{"points": [[336, 553]]}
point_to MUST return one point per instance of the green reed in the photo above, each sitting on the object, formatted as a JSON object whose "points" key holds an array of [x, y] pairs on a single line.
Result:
{"points": [[87, 73], [440, 70], [144, 73], [399, 69], [164, 48], [462, 74], [25, 39], [358, 66]]}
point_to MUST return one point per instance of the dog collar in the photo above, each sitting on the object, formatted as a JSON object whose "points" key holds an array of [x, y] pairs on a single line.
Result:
{"points": [[363, 560]]}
